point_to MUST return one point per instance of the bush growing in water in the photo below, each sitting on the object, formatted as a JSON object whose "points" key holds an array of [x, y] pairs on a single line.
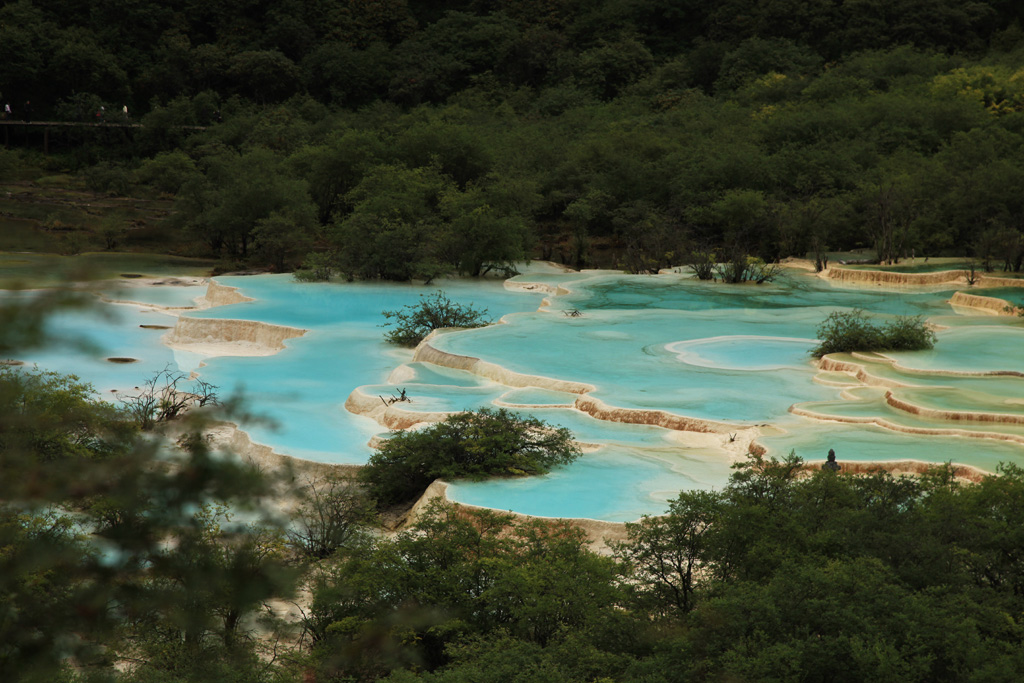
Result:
{"points": [[474, 445], [845, 331], [317, 267], [415, 321]]}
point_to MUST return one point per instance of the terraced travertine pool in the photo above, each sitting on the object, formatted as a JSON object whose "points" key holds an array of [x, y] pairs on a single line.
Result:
{"points": [[668, 380]]}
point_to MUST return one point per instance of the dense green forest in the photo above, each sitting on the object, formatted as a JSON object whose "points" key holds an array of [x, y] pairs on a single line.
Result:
{"points": [[407, 140]]}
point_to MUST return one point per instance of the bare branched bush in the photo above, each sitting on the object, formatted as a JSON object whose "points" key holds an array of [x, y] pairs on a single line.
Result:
{"points": [[972, 275], [167, 395], [742, 268], [702, 262], [333, 514]]}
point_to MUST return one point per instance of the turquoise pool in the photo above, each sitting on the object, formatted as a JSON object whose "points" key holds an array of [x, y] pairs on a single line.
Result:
{"points": [[735, 356]]}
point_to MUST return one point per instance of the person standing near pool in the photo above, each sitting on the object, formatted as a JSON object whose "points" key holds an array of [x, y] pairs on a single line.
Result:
{"points": [[831, 464]]}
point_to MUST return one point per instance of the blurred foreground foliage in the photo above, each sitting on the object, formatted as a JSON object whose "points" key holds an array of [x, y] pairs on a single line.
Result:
{"points": [[125, 556]]}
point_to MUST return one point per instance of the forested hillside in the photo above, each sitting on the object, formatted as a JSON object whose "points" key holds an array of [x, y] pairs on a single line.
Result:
{"points": [[409, 139]]}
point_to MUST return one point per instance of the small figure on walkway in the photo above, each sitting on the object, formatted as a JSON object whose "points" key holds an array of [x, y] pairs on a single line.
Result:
{"points": [[100, 113], [7, 111], [124, 110], [27, 114], [831, 464]]}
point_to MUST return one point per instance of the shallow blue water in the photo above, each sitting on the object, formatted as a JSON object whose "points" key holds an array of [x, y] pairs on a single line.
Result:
{"points": [[733, 353], [1013, 295], [92, 335], [812, 440], [160, 295], [304, 387], [979, 348], [616, 484]]}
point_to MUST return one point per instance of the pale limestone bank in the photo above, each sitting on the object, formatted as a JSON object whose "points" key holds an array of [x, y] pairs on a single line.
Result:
{"points": [[392, 416], [952, 415], [221, 295], [124, 289], [286, 474], [659, 418], [993, 281], [896, 279], [798, 263], [966, 473], [220, 337], [530, 287], [989, 304], [858, 370], [861, 372], [892, 426], [428, 354], [215, 295], [885, 277], [229, 437]]}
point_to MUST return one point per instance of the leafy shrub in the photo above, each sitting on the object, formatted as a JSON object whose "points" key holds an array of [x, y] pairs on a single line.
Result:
{"points": [[907, 333], [9, 164], [472, 445], [433, 312], [167, 171], [846, 331], [111, 179], [318, 267]]}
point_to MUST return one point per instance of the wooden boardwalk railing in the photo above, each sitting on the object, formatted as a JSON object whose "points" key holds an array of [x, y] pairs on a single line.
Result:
{"points": [[49, 125]]}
